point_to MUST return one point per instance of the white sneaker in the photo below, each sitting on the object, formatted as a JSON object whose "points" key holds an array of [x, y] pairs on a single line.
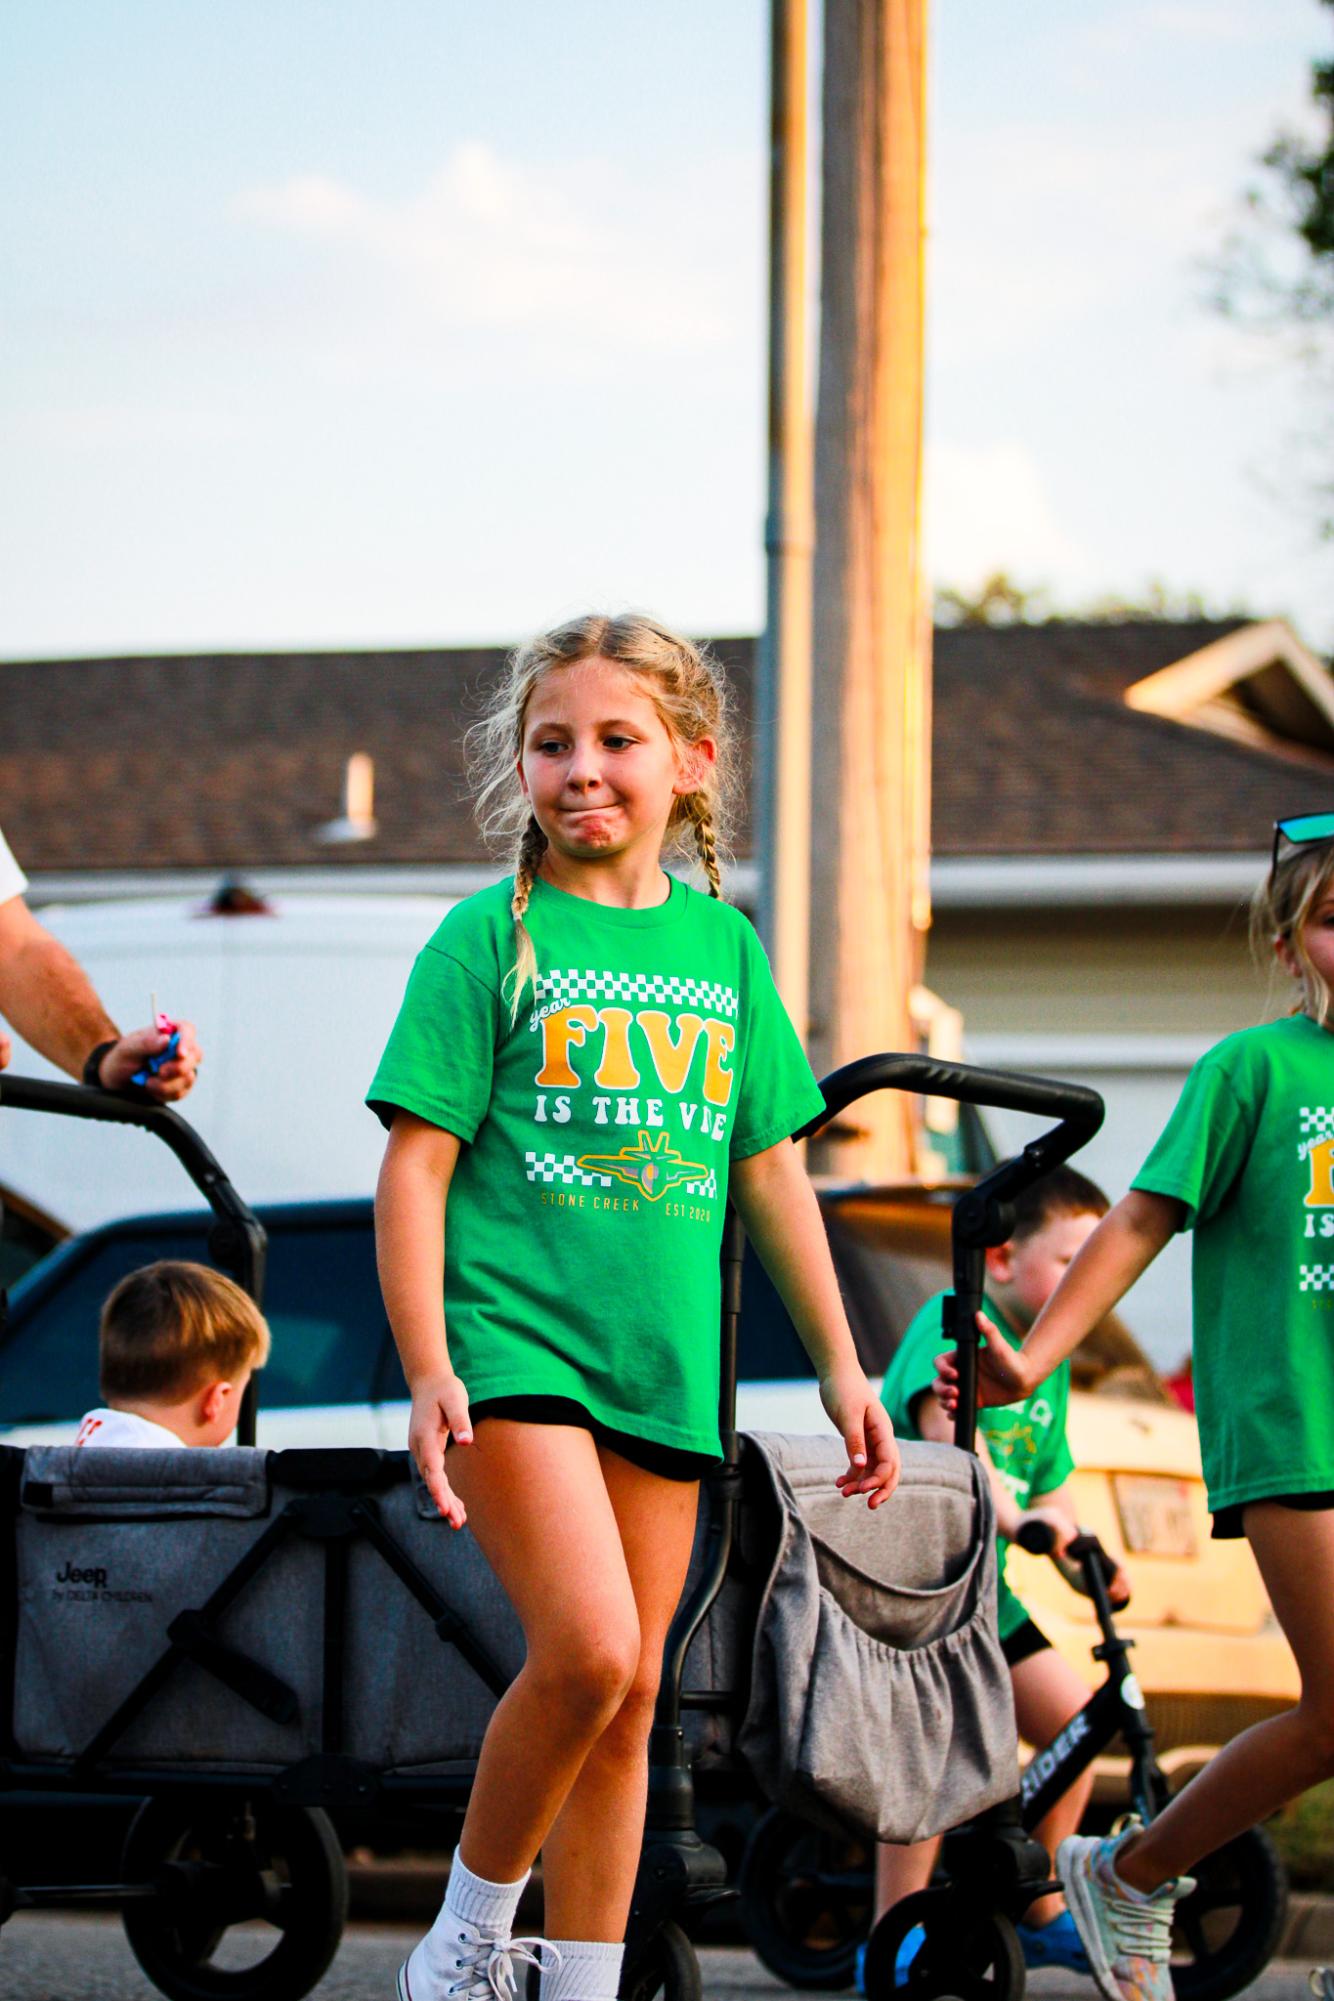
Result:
{"points": [[474, 1966], [1128, 1938]]}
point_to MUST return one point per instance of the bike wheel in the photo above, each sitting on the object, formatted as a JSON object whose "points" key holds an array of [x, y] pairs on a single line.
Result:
{"points": [[969, 1953], [668, 1965], [805, 1900], [275, 1871], [1230, 1927]]}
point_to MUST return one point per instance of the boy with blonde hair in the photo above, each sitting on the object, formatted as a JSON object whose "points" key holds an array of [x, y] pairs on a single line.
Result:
{"points": [[178, 1344]]}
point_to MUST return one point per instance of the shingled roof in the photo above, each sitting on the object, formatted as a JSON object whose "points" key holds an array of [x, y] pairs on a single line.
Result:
{"points": [[234, 760]]}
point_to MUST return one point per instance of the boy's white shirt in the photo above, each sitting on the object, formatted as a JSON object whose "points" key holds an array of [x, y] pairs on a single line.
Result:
{"points": [[125, 1427]]}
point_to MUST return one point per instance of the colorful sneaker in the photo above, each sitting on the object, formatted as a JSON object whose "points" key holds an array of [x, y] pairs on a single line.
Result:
{"points": [[903, 1958], [474, 1966], [1054, 1944], [1128, 1936]]}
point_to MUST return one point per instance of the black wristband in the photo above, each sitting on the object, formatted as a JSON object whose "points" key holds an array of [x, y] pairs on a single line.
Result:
{"points": [[93, 1063]]}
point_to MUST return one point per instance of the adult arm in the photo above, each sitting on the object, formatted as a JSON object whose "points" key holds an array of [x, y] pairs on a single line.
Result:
{"points": [[46, 995], [782, 1217], [1123, 1246], [410, 1198]]}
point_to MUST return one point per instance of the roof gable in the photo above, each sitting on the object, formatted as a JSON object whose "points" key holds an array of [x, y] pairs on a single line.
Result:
{"points": [[1258, 685]]}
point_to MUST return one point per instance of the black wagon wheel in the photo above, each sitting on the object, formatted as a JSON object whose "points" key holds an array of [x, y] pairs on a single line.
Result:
{"points": [[1230, 1927], [275, 1871], [968, 1952], [806, 1898], [668, 1965]]}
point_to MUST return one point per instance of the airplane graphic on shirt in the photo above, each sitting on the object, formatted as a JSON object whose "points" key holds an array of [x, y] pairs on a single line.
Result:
{"points": [[652, 1165]]}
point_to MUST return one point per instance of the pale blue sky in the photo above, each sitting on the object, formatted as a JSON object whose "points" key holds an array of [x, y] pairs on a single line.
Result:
{"points": [[336, 323]]}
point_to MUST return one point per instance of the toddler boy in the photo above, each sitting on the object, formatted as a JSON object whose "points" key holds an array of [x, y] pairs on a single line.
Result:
{"points": [[178, 1344]]}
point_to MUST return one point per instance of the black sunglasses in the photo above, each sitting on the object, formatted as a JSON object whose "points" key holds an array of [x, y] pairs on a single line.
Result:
{"points": [[1300, 831]]}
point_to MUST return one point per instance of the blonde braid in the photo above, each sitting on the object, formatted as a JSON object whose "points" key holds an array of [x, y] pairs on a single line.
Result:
{"points": [[700, 808], [532, 847]]}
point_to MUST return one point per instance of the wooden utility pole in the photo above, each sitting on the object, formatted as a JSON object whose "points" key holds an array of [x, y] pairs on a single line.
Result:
{"points": [[783, 688], [871, 715]]}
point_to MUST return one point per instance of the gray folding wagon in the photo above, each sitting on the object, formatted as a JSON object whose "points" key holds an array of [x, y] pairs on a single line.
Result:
{"points": [[249, 1642]]}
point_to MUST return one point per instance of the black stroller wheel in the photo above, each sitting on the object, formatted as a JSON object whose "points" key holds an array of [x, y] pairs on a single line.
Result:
{"points": [[970, 1953], [276, 1870], [1230, 1927], [805, 1900], [668, 1965]]}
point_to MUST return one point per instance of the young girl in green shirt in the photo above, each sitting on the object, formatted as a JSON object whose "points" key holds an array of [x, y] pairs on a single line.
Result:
{"points": [[1247, 1162], [587, 1055]]}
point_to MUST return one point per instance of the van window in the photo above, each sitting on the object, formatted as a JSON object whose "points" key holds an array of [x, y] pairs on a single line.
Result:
{"points": [[321, 1299]]}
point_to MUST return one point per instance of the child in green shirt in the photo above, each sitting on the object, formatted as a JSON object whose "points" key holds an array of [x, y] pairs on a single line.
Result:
{"points": [[1247, 1163], [1030, 1461], [586, 1057]]}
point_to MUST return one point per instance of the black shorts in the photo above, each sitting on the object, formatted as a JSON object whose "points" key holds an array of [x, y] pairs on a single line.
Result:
{"points": [[669, 1461], [1023, 1643], [1227, 1521]]}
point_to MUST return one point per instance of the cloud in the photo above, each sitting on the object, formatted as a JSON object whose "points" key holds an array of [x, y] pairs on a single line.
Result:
{"points": [[987, 509], [572, 262], [120, 427]]}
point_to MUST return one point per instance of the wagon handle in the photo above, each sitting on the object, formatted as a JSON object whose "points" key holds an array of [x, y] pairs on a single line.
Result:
{"points": [[237, 1239], [984, 1215]]}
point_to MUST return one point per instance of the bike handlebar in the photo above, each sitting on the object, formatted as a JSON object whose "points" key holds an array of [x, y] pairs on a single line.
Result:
{"points": [[1084, 1552]]}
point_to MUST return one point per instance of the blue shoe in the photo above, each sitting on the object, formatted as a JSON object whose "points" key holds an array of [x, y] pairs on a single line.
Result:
{"points": [[1056, 1944], [904, 1958]]}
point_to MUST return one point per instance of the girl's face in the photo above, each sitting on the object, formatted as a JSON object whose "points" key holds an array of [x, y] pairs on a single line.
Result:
{"points": [[1317, 942], [598, 766]]}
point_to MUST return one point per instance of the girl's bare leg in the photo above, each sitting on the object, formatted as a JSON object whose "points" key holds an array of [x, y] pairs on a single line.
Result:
{"points": [[591, 1855], [1047, 1693], [1271, 1762], [538, 1504]]}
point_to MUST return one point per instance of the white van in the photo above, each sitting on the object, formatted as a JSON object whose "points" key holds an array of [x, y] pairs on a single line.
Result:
{"points": [[293, 1003]]}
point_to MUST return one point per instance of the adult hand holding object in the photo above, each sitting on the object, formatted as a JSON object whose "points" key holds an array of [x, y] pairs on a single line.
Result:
{"points": [[46, 995]]}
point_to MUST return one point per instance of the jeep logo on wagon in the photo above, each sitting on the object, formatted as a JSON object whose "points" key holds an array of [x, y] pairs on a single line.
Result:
{"points": [[91, 1584]]}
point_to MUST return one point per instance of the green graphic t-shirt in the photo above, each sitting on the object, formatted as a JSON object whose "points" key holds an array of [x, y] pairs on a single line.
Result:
{"points": [[1026, 1440], [1250, 1151], [584, 1218]]}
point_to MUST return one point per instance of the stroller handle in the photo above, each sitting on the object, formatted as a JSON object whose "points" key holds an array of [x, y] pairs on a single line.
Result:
{"points": [[237, 1239], [985, 1215]]}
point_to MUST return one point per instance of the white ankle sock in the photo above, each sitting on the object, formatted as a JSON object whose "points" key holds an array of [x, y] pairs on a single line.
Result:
{"points": [[469, 1900], [476, 1901], [589, 1970]]}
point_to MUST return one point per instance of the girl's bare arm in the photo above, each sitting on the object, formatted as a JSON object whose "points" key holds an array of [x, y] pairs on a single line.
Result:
{"points": [[1124, 1245], [782, 1217], [410, 1252]]}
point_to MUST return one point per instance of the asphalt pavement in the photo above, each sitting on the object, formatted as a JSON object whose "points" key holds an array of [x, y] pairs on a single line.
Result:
{"points": [[52, 1956]]}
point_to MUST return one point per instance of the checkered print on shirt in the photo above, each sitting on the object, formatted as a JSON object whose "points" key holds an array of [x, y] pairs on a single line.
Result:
{"points": [[663, 990], [708, 1188], [1317, 1122], [563, 1168], [1317, 1278]]}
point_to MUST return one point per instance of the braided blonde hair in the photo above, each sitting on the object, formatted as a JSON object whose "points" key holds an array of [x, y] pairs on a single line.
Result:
{"points": [[686, 687]]}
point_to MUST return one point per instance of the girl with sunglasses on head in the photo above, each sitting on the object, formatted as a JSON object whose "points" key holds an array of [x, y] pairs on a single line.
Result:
{"points": [[1247, 1163]]}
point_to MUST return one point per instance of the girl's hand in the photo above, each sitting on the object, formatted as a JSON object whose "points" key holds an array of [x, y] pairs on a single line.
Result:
{"points": [[1004, 1374], [863, 1423], [439, 1413]]}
